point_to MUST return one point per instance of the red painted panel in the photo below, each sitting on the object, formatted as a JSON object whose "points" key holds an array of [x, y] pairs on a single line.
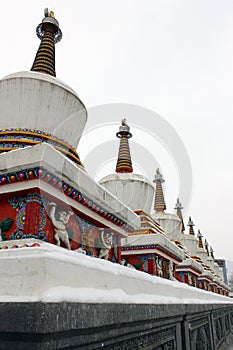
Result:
{"points": [[31, 225], [151, 265]]}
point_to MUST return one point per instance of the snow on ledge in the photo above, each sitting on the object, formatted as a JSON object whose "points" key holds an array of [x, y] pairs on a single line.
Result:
{"points": [[52, 274]]}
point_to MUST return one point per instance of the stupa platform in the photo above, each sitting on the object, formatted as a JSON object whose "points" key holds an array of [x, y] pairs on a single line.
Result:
{"points": [[48, 170], [52, 298]]}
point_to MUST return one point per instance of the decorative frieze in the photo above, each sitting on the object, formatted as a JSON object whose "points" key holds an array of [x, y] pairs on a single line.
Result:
{"points": [[53, 180], [11, 139]]}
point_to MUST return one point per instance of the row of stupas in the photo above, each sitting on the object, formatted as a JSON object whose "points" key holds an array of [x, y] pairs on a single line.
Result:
{"points": [[160, 246], [46, 194]]}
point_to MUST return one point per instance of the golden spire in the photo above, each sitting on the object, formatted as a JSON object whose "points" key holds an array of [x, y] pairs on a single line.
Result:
{"points": [[199, 236], [159, 205], [191, 224], [124, 163], [178, 208], [49, 33]]}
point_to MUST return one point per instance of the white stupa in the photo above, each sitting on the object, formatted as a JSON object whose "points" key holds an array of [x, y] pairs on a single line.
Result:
{"points": [[132, 189], [171, 223]]}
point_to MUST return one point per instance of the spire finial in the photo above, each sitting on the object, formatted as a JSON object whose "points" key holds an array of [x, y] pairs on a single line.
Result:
{"points": [[124, 163], [49, 33], [206, 244], [179, 208], [191, 224], [199, 236], [124, 122], [212, 252], [159, 205]]}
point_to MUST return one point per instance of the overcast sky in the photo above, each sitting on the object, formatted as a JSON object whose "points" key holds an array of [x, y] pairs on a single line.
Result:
{"points": [[174, 57]]}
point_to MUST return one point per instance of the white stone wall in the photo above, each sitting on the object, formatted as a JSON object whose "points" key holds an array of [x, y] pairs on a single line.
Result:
{"points": [[50, 273]]}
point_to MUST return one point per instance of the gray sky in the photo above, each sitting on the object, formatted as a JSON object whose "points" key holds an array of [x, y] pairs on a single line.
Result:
{"points": [[174, 57]]}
